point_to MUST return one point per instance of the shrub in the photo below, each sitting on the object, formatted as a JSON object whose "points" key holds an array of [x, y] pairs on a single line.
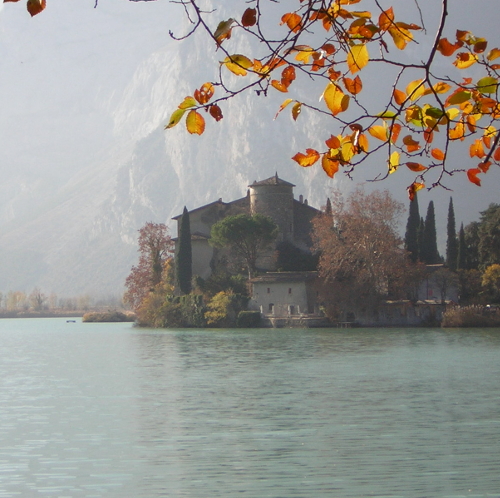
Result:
{"points": [[248, 319], [470, 316]]}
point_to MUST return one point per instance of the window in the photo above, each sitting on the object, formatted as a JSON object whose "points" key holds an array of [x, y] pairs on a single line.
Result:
{"points": [[269, 290], [271, 307], [289, 290]]}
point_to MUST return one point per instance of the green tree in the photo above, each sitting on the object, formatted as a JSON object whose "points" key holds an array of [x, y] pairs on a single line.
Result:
{"points": [[412, 227], [491, 281], [246, 236], [489, 236], [462, 249], [472, 245], [184, 256], [429, 252], [451, 241]]}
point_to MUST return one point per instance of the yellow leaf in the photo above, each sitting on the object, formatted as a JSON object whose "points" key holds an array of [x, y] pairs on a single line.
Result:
{"points": [[335, 99], [357, 58], [175, 118], [195, 123], [400, 35], [393, 162], [379, 132], [296, 109], [307, 159], [441, 87], [187, 103], [282, 106], [465, 60], [494, 54], [238, 64], [415, 89], [452, 113], [347, 151], [414, 188]]}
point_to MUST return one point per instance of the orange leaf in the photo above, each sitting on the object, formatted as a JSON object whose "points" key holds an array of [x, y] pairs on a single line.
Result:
{"points": [[205, 93], [446, 48], [484, 167], [334, 142], [428, 135], [307, 159], [195, 123], [396, 129], [293, 21], [399, 96], [215, 112], [249, 18], [363, 142], [287, 75], [457, 133], [413, 189], [279, 86], [330, 165], [472, 175], [353, 86], [386, 19], [416, 167], [496, 155], [438, 154], [411, 145], [477, 149]]}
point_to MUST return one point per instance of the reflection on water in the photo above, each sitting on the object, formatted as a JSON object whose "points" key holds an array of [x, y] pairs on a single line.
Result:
{"points": [[95, 410]]}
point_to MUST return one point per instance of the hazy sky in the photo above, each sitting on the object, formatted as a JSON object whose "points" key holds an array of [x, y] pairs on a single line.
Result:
{"points": [[63, 72]]}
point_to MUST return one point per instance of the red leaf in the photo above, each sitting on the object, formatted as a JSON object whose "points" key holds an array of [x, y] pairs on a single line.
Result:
{"points": [[472, 175], [249, 18]]}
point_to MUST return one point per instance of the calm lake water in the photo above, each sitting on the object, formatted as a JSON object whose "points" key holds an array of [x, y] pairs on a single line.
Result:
{"points": [[108, 410]]}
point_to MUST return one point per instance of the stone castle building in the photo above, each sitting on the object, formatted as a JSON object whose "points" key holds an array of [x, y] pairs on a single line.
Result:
{"points": [[272, 197]]}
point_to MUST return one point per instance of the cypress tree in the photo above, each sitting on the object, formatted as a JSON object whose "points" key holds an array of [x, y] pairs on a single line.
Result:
{"points": [[412, 228], [420, 237], [184, 257], [430, 255], [462, 250], [328, 208], [451, 242]]}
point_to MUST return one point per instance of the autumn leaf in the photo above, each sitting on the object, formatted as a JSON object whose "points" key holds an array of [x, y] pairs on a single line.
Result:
{"points": [[446, 48], [457, 133], [487, 85], [330, 165], [393, 162], [379, 131], [279, 86], [205, 93], [357, 58], [465, 60], [195, 123], [415, 89], [249, 18], [458, 97], [353, 86], [386, 19], [399, 96], [496, 155], [477, 149], [307, 159], [293, 21], [396, 129], [296, 109], [335, 99], [283, 105], [413, 189], [484, 167], [187, 103], [438, 154], [493, 54], [215, 112], [175, 118], [35, 6], [472, 175], [238, 64], [411, 144], [400, 35], [333, 142], [416, 167], [223, 31]]}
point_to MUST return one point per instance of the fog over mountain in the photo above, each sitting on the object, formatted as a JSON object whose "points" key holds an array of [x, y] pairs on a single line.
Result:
{"points": [[85, 161]]}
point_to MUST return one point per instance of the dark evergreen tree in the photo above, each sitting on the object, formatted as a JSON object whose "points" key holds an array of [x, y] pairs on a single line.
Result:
{"points": [[412, 228], [328, 208], [429, 252], [184, 257], [462, 250], [472, 245], [420, 237], [451, 241]]}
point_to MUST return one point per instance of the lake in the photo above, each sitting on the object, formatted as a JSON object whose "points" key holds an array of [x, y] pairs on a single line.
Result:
{"points": [[109, 410]]}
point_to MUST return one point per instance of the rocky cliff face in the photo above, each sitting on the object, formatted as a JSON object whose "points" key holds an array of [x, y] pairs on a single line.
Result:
{"points": [[80, 237]]}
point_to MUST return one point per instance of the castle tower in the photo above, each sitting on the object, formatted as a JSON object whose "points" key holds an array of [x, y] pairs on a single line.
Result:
{"points": [[274, 198]]}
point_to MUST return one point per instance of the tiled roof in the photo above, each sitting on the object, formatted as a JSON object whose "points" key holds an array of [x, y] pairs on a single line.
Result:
{"points": [[273, 180]]}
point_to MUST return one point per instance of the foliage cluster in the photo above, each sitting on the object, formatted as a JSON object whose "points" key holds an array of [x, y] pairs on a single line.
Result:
{"points": [[470, 316]]}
